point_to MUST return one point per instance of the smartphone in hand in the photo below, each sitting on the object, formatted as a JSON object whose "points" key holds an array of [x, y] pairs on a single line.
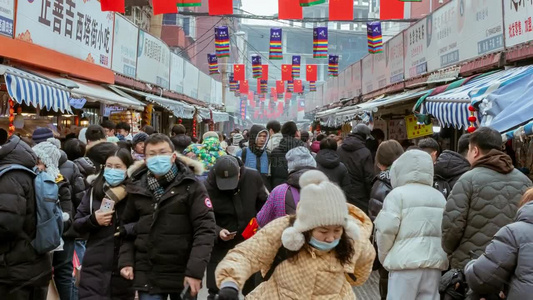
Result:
{"points": [[107, 205]]}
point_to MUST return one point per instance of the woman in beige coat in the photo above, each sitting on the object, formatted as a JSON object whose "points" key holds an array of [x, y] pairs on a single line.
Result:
{"points": [[326, 248]]}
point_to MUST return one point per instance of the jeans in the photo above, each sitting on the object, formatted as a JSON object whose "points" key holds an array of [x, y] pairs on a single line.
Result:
{"points": [[9, 292], [62, 262], [147, 296], [79, 247]]}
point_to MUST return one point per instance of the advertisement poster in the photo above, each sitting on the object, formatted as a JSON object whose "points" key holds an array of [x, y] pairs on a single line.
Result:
{"points": [[153, 60], [395, 68], [80, 29], [518, 24], [125, 47], [177, 70], [7, 8]]}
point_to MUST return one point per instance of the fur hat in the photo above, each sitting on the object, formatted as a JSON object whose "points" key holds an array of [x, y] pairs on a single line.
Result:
{"points": [[299, 158], [49, 154], [322, 203]]}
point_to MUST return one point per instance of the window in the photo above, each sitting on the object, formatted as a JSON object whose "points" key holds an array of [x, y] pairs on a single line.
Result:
{"points": [[170, 19]]}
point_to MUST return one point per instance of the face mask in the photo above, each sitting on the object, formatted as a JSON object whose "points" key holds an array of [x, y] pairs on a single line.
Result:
{"points": [[324, 246], [159, 165], [114, 177]]}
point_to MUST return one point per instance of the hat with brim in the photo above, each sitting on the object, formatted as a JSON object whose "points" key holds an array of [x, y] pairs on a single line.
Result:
{"points": [[227, 173]]}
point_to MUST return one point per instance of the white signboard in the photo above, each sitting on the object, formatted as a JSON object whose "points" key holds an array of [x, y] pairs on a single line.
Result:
{"points": [[368, 71], [153, 60], [79, 28], [416, 45], [356, 79], [176, 73], [204, 87], [7, 14], [190, 85], [218, 92], [125, 47], [518, 24], [395, 68]]}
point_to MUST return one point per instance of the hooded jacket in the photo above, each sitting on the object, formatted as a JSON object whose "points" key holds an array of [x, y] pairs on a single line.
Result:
{"points": [[207, 153], [449, 167], [328, 161], [274, 141], [508, 260], [174, 236], [256, 158], [278, 162], [380, 189], [87, 168], [18, 220], [482, 201], [312, 274], [408, 233], [358, 160]]}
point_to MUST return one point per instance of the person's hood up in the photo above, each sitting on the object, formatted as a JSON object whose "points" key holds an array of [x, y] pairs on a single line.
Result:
{"points": [[451, 164], [315, 146], [254, 133], [496, 161], [294, 177], [414, 166], [525, 213], [212, 144], [195, 166], [328, 158], [353, 142], [15, 151]]}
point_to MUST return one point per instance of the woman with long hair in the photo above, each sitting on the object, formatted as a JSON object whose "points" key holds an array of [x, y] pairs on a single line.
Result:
{"points": [[319, 253], [99, 217]]}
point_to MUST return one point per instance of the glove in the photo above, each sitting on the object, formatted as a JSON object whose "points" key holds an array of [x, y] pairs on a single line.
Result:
{"points": [[228, 293]]}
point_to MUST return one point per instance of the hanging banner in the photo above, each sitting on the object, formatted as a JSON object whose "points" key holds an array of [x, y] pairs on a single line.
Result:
{"points": [[153, 60], [233, 85], [125, 54], [112, 5], [212, 60], [290, 86], [298, 86], [307, 3], [312, 86], [286, 72], [7, 14], [264, 72], [296, 61], [220, 7], [320, 42], [518, 23], [239, 72], [244, 87], [256, 66], [333, 66], [243, 105], [164, 7], [280, 86], [264, 86], [80, 29], [276, 49], [222, 41], [375, 38], [189, 3], [177, 73]]}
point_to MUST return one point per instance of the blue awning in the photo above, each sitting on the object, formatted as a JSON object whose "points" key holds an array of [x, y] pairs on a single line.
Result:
{"points": [[450, 114], [34, 90]]}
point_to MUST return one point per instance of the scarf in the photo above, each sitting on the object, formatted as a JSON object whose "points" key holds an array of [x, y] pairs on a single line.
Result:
{"points": [[116, 193], [158, 186]]}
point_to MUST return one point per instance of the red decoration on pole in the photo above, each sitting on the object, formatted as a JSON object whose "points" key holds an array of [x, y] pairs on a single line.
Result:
{"points": [[290, 10], [265, 72], [340, 10], [113, 5], [286, 72], [165, 7], [220, 7], [238, 72], [391, 9]]}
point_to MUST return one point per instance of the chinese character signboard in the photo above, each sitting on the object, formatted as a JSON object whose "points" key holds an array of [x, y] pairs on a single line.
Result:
{"points": [[518, 26], [395, 54], [7, 8], [153, 60], [125, 47], [76, 28], [416, 48], [414, 130]]}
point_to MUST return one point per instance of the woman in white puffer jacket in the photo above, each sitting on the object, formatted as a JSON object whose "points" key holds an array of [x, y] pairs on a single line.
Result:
{"points": [[408, 229]]}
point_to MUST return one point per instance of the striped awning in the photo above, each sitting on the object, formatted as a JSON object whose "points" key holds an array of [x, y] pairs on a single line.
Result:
{"points": [[37, 91], [450, 114]]}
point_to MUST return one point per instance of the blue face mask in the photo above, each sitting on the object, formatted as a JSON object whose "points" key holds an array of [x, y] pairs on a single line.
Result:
{"points": [[159, 165], [114, 177], [324, 246]]}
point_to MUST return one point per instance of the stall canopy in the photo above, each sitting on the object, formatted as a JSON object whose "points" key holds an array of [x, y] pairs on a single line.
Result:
{"points": [[220, 117], [35, 90], [204, 113], [178, 109]]}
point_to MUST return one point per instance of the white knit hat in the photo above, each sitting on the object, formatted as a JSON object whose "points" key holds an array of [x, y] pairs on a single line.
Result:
{"points": [[49, 154], [299, 158], [322, 203]]}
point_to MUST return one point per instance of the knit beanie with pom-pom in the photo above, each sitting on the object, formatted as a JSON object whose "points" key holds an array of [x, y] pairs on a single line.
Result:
{"points": [[322, 203]]}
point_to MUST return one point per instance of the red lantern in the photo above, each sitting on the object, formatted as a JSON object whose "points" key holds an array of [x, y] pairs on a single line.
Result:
{"points": [[471, 129], [472, 119], [194, 123], [471, 108], [180, 121]]}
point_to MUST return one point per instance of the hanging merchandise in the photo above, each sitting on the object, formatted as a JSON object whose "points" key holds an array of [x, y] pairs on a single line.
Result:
{"points": [[286, 72], [306, 3], [189, 3], [391, 9], [298, 87], [244, 87], [220, 7], [341, 10], [333, 66], [320, 42], [164, 7], [147, 114], [290, 86], [213, 64], [264, 69], [375, 39], [256, 66], [472, 119], [264, 86], [312, 86], [296, 61], [311, 73], [221, 41], [109, 5], [276, 49], [289, 10], [238, 72]]}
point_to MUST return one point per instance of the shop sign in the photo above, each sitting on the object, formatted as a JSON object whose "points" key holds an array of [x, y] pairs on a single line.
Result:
{"points": [[397, 130], [415, 130], [153, 60], [125, 47], [204, 93], [447, 74], [111, 109], [416, 45], [176, 73], [356, 79], [518, 16], [190, 84], [76, 28], [395, 54], [368, 71], [7, 8]]}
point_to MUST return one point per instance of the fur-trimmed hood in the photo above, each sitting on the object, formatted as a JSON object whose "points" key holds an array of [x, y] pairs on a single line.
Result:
{"points": [[195, 166]]}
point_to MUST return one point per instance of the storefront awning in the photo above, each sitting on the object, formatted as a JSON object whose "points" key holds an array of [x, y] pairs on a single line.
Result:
{"points": [[220, 117], [178, 109], [35, 90], [204, 113]]}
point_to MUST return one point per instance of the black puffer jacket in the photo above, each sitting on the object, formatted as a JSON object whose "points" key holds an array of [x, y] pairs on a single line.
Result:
{"points": [[381, 187], [449, 167], [358, 159], [508, 260], [72, 173], [97, 153], [87, 168], [175, 236], [279, 169], [20, 263], [329, 162]]}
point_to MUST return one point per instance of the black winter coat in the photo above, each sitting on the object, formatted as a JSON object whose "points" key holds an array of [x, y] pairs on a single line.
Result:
{"points": [[279, 168], [72, 173], [381, 187], [100, 275], [87, 168], [448, 168], [65, 196], [175, 236], [20, 264], [358, 159], [328, 161]]}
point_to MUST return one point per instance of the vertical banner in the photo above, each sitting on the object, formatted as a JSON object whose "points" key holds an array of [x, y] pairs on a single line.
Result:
{"points": [[391, 9], [375, 39], [244, 87], [239, 72], [290, 86], [333, 66], [289, 10], [264, 69], [280, 86], [320, 42], [311, 73], [296, 62], [213, 64], [276, 48], [286, 72], [233, 84], [243, 107], [257, 69], [106, 5], [312, 86], [222, 41], [298, 87], [220, 7], [341, 10], [164, 7], [264, 86]]}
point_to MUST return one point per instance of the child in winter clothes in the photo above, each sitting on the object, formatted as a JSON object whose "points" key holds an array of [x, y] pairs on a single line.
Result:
{"points": [[408, 230]]}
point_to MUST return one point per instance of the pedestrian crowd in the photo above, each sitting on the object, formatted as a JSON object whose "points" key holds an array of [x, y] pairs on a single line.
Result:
{"points": [[270, 212]]}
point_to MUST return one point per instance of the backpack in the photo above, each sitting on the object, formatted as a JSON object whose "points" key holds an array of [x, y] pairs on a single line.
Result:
{"points": [[49, 214]]}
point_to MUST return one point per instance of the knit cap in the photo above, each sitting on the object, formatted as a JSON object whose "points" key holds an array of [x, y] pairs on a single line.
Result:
{"points": [[138, 138], [41, 134], [298, 158], [322, 203], [210, 134], [237, 138], [49, 154]]}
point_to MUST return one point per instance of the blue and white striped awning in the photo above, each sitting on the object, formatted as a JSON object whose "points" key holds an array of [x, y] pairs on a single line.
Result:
{"points": [[37, 91], [450, 114]]}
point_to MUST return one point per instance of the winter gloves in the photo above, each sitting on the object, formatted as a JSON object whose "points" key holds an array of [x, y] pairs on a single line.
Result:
{"points": [[228, 293]]}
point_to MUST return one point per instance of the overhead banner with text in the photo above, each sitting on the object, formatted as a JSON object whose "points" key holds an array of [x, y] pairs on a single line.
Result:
{"points": [[518, 24], [153, 60], [7, 15], [125, 48]]}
